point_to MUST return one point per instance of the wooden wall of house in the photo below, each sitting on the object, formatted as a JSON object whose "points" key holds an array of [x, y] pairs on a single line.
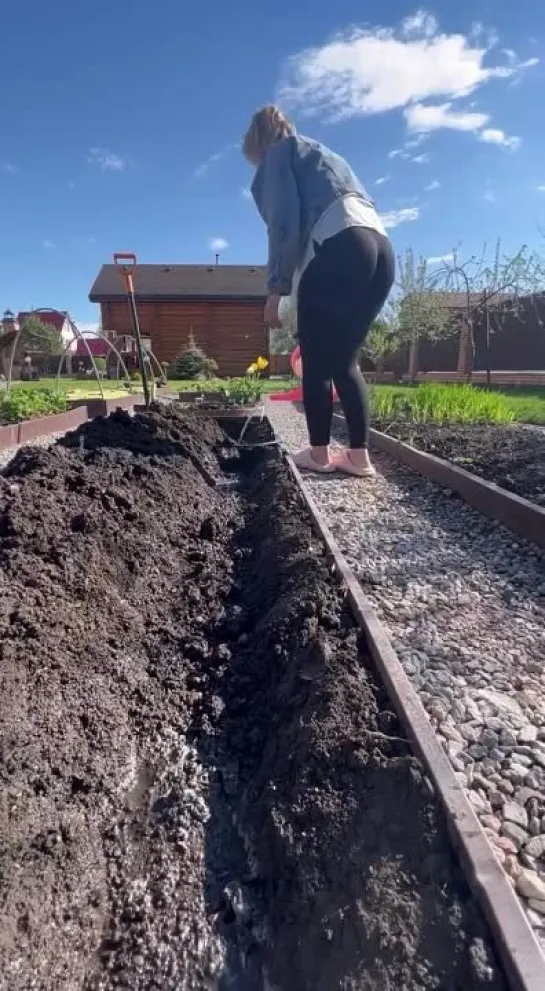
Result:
{"points": [[230, 332]]}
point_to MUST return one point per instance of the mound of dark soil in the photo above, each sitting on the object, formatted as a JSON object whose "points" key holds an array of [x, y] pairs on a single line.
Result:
{"points": [[114, 556], [202, 783], [510, 455]]}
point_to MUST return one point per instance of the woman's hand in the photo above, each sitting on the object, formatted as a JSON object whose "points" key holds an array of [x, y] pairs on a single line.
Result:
{"points": [[270, 315]]}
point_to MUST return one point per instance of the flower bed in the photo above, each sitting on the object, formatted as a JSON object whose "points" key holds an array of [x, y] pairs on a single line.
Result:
{"points": [[177, 659]]}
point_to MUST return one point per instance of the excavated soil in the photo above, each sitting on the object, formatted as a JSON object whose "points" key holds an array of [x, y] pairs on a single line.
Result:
{"points": [[202, 783], [509, 455]]}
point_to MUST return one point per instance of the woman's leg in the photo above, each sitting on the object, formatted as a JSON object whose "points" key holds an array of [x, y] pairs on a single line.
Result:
{"points": [[313, 328], [348, 378], [340, 294]]}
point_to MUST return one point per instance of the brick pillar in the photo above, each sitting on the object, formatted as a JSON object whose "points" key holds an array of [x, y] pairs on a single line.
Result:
{"points": [[413, 358], [465, 355]]}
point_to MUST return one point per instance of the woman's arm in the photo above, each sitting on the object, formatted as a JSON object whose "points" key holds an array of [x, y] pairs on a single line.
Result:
{"points": [[280, 208]]}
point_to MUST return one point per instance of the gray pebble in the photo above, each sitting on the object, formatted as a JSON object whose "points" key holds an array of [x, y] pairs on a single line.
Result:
{"points": [[513, 812], [514, 833], [535, 847]]}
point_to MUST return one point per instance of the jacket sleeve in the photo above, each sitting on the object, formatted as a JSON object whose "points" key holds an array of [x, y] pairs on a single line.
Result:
{"points": [[281, 212]]}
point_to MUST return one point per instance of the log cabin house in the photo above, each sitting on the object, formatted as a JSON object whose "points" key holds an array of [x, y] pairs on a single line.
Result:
{"points": [[221, 305]]}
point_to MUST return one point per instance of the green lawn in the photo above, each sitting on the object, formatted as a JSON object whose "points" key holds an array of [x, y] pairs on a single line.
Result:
{"points": [[526, 405], [527, 402], [77, 388]]}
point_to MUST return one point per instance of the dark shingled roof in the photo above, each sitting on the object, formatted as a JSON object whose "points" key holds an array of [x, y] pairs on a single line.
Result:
{"points": [[170, 282]]}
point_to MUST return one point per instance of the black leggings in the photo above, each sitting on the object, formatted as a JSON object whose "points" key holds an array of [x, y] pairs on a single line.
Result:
{"points": [[340, 294]]}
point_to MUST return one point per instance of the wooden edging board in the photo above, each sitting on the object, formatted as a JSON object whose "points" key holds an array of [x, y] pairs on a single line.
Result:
{"points": [[515, 942], [103, 407], [517, 514], [29, 430]]}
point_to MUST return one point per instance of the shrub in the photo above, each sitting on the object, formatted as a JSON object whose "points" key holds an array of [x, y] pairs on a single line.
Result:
{"points": [[194, 363], [100, 364], [135, 375], [26, 404], [438, 403]]}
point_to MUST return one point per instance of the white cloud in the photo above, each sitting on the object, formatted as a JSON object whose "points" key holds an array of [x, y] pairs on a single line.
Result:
{"points": [[246, 193], [419, 24], [49, 245], [82, 242], [106, 161], [489, 195], [433, 185], [434, 117], [369, 70], [421, 159], [218, 244], [213, 159], [439, 259], [541, 189], [403, 216], [10, 168], [382, 179], [495, 136]]}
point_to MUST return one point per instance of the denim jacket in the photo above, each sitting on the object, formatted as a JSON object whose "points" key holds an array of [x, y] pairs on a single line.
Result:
{"points": [[297, 180]]}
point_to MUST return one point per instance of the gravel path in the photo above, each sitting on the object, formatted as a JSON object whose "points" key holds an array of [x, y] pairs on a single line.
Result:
{"points": [[464, 603], [9, 452]]}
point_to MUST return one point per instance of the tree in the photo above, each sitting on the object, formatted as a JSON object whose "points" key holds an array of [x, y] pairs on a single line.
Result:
{"points": [[491, 291], [193, 362], [417, 307], [37, 335], [381, 341]]}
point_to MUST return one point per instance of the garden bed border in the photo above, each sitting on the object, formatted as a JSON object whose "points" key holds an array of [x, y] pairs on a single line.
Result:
{"points": [[515, 942], [103, 407], [28, 430], [520, 515]]}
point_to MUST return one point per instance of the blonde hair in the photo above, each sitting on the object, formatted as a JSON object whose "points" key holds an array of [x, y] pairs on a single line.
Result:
{"points": [[267, 126]]}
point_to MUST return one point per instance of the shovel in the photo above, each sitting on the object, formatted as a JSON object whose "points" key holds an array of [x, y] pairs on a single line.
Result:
{"points": [[126, 263]]}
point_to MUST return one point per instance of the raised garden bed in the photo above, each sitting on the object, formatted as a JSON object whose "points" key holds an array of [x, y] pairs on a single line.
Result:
{"points": [[178, 659], [42, 426], [511, 456]]}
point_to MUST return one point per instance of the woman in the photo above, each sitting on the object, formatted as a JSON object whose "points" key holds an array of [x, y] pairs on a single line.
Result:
{"points": [[328, 246]]}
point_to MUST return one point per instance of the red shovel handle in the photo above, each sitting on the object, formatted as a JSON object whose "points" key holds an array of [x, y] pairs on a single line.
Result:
{"points": [[125, 261]]}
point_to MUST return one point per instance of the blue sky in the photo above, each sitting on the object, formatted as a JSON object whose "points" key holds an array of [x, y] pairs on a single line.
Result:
{"points": [[121, 124]]}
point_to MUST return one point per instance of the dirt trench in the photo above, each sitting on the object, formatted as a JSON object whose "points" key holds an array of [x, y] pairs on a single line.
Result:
{"points": [[202, 783]]}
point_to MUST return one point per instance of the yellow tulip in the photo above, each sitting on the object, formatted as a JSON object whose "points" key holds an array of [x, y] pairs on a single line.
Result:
{"points": [[262, 364], [252, 369]]}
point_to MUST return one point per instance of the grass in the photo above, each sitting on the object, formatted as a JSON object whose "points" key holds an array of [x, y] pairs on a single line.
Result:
{"points": [[435, 403], [77, 388], [427, 402], [267, 385], [527, 403]]}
